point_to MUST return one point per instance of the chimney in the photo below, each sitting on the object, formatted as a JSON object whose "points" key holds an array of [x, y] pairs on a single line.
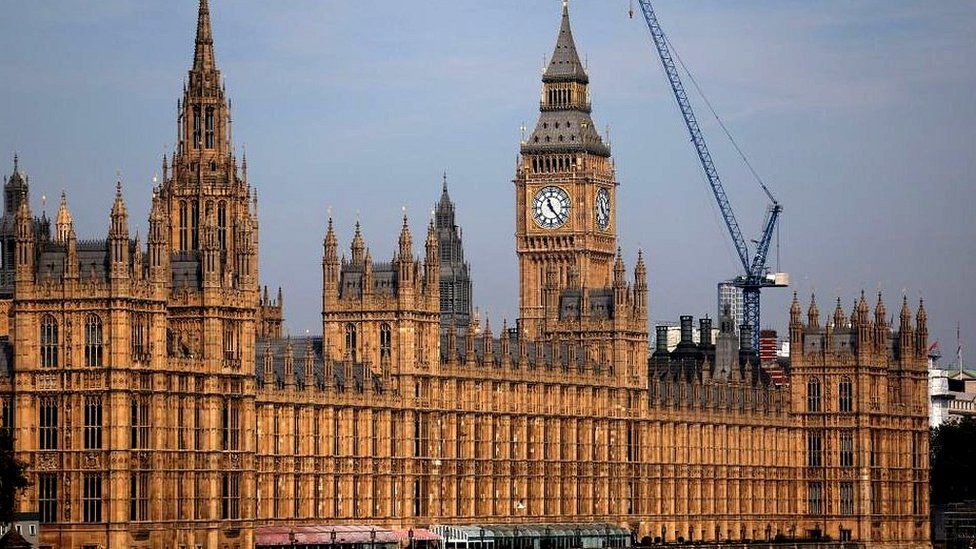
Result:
{"points": [[662, 339], [686, 329], [705, 325]]}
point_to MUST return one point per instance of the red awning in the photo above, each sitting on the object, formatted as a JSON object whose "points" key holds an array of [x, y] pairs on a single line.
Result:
{"points": [[419, 534]]}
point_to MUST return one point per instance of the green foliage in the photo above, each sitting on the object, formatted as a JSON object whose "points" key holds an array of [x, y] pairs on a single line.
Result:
{"points": [[12, 478], [953, 449]]}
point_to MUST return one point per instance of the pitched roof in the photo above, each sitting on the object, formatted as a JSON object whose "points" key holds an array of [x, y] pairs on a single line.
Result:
{"points": [[565, 65]]}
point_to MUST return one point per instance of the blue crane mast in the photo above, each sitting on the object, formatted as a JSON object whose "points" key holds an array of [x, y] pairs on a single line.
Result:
{"points": [[757, 275]]}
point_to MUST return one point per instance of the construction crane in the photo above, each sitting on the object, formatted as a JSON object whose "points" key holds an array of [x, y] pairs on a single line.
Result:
{"points": [[757, 275]]}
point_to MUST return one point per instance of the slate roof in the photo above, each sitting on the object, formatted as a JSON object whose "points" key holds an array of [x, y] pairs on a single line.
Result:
{"points": [[565, 131], [351, 280], [600, 304], [565, 65], [325, 373]]}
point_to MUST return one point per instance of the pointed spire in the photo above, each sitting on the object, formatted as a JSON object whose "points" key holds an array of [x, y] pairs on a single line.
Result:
{"points": [[203, 53], [906, 313], [880, 311], [565, 64], [813, 313], [357, 245], [406, 241], [839, 319], [619, 278], [63, 222], [795, 310]]}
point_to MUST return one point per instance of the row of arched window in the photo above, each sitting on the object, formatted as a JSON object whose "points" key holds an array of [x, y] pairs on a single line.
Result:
{"points": [[815, 395], [50, 341], [386, 342], [189, 224]]}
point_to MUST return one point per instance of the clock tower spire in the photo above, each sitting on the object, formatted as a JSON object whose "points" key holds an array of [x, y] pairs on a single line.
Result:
{"points": [[564, 188]]}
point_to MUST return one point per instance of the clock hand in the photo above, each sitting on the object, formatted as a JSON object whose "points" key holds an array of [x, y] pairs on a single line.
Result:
{"points": [[551, 209]]}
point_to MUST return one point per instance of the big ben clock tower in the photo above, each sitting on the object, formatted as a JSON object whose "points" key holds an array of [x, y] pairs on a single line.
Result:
{"points": [[565, 190]]}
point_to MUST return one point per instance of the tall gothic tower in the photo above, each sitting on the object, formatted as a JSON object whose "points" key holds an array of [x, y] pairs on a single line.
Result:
{"points": [[564, 189], [205, 203], [208, 200]]}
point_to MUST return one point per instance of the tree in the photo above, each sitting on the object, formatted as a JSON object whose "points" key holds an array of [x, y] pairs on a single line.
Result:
{"points": [[12, 477], [953, 475]]}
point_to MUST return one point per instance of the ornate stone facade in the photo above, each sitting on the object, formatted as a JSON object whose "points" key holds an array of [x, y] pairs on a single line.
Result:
{"points": [[157, 405]]}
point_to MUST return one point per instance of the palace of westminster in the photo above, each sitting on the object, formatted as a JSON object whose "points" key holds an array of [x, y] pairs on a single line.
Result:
{"points": [[156, 403]]}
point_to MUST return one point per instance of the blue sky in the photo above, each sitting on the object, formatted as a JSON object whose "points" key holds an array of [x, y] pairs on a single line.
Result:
{"points": [[858, 114]]}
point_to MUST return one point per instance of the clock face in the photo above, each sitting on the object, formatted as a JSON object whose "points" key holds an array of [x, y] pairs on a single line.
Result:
{"points": [[603, 209], [550, 208]]}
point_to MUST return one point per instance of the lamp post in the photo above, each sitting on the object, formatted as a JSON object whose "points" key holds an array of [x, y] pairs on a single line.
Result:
{"points": [[606, 535], [481, 539], [579, 537], [332, 537], [372, 538], [548, 539], [410, 538]]}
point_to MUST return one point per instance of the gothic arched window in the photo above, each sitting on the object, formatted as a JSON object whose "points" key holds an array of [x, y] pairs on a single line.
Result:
{"points": [[183, 227], [386, 342], [209, 135], [93, 341], [845, 396], [49, 342], [351, 341], [813, 395], [222, 224]]}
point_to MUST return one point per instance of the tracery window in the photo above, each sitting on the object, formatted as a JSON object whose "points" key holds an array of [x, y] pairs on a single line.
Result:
{"points": [[847, 498], [183, 238], [139, 496], [231, 424], [140, 337], [846, 449], [91, 497], [49, 342], [209, 135], [48, 424], [93, 423], [814, 449], [230, 492], [93, 341], [194, 225], [139, 435], [845, 396], [47, 497], [222, 225], [815, 498], [196, 126], [814, 395]]}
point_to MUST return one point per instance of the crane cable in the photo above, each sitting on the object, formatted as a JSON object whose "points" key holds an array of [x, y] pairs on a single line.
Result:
{"points": [[718, 119]]}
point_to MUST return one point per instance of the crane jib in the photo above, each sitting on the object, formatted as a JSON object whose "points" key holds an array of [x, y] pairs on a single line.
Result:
{"points": [[755, 270]]}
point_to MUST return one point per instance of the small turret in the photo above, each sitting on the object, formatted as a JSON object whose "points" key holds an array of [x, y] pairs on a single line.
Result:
{"points": [[921, 330], [880, 325], [640, 287], [813, 313], [24, 244], [431, 261], [357, 248], [404, 261], [137, 258], [906, 335], [118, 236], [63, 222], [840, 321]]}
